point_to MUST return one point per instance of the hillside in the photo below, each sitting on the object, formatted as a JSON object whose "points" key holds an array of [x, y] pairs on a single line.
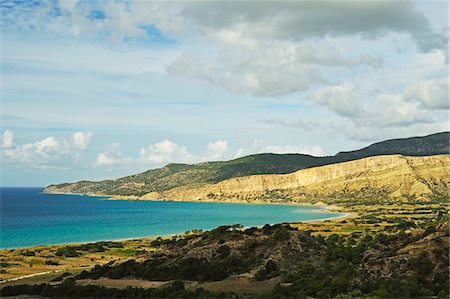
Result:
{"points": [[407, 261], [196, 175], [381, 178], [434, 144]]}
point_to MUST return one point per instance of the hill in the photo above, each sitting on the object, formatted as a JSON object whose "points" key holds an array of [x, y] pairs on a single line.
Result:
{"points": [[434, 144], [373, 179], [270, 262], [197, 175]]}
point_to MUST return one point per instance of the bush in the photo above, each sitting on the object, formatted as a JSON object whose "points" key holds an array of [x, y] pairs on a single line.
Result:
{"points": [[269, 271], [67, 252], [223, 251], [28, 253], [51, 263]]}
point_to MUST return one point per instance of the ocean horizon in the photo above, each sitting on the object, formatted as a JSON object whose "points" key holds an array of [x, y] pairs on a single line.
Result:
{"points": [[30, 217]]}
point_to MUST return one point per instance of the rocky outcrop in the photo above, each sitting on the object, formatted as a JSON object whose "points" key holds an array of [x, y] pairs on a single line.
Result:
{"points": [[382, 178], [195, 175]]}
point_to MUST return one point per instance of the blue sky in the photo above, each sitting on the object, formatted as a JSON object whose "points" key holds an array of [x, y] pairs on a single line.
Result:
{"points": [[101, 89]]}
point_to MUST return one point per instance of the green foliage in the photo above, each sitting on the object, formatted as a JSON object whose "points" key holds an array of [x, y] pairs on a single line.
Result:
{"points": [[270, 270], [67, 251], [51, 263], [178, 175], [338, 266], [68, 289], [28, 253], [74, 251]]}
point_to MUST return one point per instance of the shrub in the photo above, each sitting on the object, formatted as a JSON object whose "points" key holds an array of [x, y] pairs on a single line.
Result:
{"points": [[223, 251], [51, 263], [269, 271], [67, 252]]}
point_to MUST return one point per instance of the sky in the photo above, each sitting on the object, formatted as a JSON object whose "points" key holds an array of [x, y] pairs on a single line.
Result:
{"points": [[102, 89]]}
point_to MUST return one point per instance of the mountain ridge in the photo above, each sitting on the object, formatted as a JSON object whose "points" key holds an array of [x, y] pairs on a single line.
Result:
{"points": [[176, 175], [378, 178]]}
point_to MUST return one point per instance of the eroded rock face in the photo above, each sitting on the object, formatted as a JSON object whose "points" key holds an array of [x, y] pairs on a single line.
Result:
{"points": [[390, 177]]}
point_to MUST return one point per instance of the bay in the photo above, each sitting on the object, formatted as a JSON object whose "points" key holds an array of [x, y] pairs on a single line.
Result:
{"points": [[29, 217]]}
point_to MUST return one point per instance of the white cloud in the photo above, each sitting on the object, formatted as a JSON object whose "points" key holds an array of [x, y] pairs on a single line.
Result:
{"points": [[263, 68], [8, 139], [81, 140], [112, 156], [47, 153], [265, 50], [432, 94], [165, 152], [161, 153], [374, 110], [276, 20], [216, 150]]}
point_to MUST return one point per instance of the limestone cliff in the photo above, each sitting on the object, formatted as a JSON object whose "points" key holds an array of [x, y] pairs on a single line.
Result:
{"points": [[381, 178], [195, 175]]}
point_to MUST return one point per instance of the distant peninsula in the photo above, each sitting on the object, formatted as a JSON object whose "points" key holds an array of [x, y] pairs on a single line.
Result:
{"points": [[409, 169]]}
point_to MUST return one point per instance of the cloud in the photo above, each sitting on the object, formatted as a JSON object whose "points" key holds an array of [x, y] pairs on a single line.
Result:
{"points": [[300, 20], [161, 153], [49, 152], [165, 152], [216, 150], [81, 140], [263, 68], [374, 110], [297, 124], [112, 156], [276, 20], [431, 94], [8, 139], [264, 50]]}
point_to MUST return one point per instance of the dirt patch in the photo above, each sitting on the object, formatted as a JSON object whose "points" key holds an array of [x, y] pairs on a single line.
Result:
{"points": [[240, 284], [124, 283]]}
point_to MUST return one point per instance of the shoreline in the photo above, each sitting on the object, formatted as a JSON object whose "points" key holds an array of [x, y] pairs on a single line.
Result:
{"points": [[324, 209], [149, 238], [138, 198]]}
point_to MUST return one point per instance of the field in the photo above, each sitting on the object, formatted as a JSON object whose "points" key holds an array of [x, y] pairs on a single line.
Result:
{"points": [[54, 264]]}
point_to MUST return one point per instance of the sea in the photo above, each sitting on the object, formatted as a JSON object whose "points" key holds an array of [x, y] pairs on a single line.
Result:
{"points": [[28, 217]]}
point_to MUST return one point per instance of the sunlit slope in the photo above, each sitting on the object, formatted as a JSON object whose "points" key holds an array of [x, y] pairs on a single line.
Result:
{"points": [[378, 179], [184, 175]]}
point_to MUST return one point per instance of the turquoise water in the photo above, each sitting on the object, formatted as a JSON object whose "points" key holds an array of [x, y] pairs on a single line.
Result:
{"points": [[30, 218]]}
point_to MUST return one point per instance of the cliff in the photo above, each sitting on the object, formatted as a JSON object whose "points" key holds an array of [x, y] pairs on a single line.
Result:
{"points": [[381, 179], [196, 175]]}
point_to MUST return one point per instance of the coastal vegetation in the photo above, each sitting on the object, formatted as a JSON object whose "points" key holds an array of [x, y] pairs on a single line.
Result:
{"points": [[377, 251], [393, 241], [174, 176]]}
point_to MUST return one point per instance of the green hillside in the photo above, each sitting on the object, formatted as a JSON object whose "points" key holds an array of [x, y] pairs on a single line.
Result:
{"points": [[176, 175]]}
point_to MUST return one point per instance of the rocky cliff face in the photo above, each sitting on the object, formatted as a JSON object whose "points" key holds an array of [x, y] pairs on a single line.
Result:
{"points": [[194, 175], [381, 178]]}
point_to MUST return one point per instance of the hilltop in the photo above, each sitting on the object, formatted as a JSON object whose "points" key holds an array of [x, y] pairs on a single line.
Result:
{"points": [[373, 179], [197, 175]]}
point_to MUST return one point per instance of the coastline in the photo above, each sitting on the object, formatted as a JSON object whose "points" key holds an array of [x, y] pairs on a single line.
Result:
{"points": [[322, 209], [127, 242], [151, 237], [130, 243], [139, 198]]}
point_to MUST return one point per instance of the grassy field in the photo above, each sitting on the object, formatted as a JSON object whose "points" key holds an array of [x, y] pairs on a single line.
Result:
{"points": [[52, 264], [52, 261], [376, 218]]}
